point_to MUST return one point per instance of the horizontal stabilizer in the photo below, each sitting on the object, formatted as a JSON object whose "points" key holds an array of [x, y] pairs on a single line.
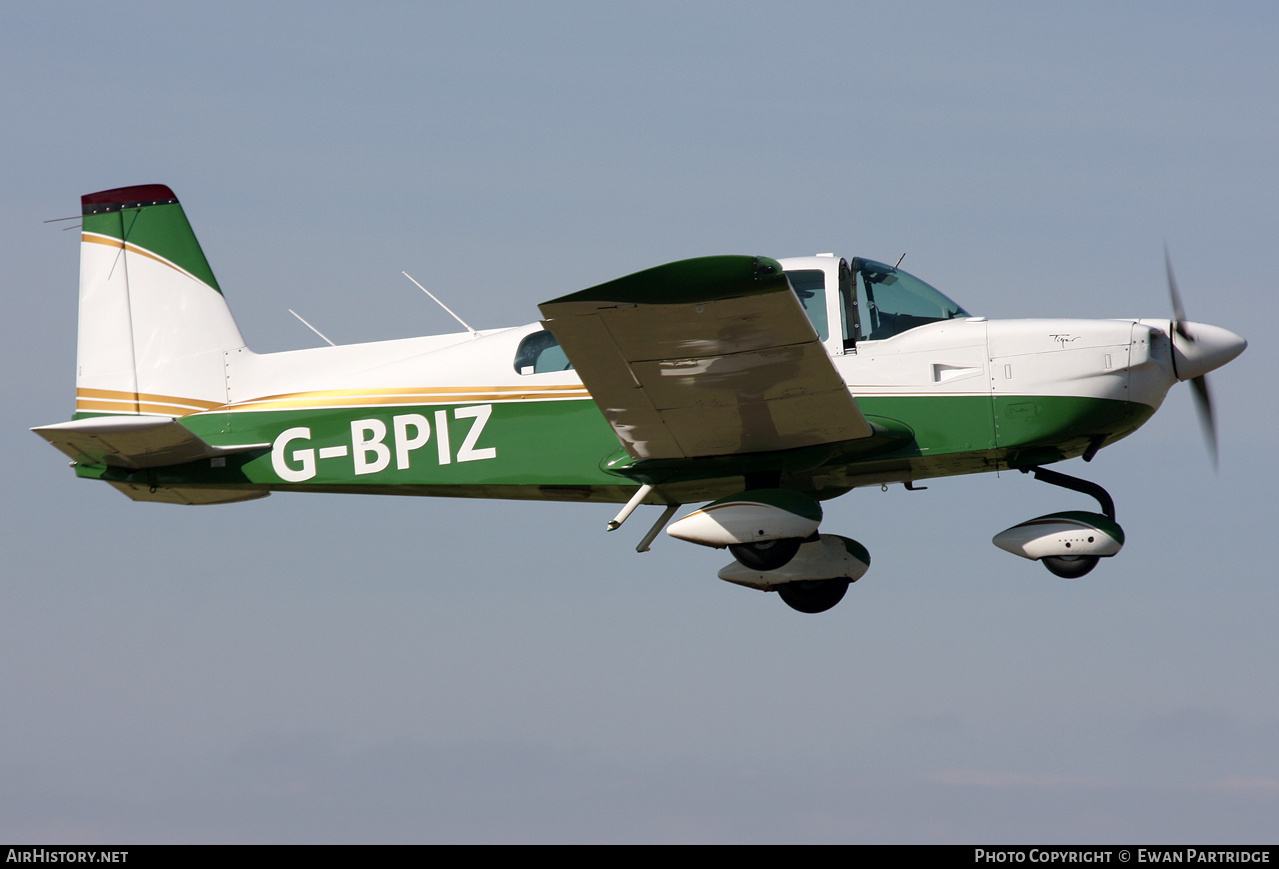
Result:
{"points": [[133, 442], [191, 495]]}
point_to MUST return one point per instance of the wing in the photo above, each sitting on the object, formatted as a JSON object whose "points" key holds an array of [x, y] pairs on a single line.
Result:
{"points": [[705, 357]]}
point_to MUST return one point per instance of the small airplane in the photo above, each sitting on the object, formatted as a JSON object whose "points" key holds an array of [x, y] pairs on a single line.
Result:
{"points": [[761, 386]]}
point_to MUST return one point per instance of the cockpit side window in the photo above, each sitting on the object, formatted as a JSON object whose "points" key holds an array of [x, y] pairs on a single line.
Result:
{"points": [[891, 301], [539, 353], [810, 286]]}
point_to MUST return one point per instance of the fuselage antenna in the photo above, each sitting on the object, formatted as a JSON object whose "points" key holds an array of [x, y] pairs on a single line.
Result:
{"points": [[465, 325], [312, 328], [899, 259]]}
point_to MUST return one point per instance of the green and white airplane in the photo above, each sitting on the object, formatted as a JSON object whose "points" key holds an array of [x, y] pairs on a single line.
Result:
{"points": [[761, 386]]}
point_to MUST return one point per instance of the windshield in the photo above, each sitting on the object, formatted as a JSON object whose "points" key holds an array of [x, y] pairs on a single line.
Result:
{"points": [[890, 301]]}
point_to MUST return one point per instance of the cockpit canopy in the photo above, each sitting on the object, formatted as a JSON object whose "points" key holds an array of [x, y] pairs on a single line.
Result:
{"points": [[876, 301]]}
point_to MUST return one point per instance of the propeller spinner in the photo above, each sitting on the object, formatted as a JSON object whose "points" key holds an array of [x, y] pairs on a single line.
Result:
{"points": [[1198, 348]]}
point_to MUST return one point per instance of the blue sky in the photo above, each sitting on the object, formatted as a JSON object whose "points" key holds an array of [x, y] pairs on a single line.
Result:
{"points": [[334, 668]]}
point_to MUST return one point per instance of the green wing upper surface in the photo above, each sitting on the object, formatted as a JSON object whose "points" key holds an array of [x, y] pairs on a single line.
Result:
{"points": [[705, 357]]}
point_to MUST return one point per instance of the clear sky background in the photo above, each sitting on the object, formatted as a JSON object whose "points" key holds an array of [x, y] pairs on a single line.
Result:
{"points": [[355, 669]]}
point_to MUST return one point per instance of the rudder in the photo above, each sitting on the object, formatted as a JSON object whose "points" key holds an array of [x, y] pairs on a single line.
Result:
{"points": [[153, 325]]}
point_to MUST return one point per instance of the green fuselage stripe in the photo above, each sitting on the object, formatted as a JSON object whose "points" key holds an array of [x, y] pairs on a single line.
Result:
{"points": [[556, 449]]}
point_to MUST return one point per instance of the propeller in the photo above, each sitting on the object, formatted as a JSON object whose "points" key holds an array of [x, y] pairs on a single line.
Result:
{"points": [[1198, 349]]}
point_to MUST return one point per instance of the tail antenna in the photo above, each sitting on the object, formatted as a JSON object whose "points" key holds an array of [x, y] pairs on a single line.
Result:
{"points": [[465, 325], [312, 328]]}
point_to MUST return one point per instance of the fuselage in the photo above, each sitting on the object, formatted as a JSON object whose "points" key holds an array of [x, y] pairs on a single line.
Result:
{"points": [[503, 415]]}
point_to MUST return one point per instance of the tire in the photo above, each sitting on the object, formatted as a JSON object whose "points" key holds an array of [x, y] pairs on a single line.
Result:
{"points": [[766, 554], [813, 596], [1070, 566]]}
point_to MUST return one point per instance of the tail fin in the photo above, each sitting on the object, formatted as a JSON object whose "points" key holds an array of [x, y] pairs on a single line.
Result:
{"points": [[154, 328]]}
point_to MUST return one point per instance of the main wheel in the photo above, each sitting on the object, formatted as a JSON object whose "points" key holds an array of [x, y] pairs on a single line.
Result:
{"points": [[1070, 566], [766, 554], [813, 595]]}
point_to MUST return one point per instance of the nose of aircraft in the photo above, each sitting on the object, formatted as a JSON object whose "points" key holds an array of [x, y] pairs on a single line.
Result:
{"points": [[1207, 348]]}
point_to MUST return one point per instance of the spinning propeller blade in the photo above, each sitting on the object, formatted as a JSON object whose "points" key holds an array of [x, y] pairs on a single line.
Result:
{"points": [[1197, 349], [1207, 422]]}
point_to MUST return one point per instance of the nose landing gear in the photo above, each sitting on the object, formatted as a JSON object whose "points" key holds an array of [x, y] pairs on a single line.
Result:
{"points": [[1071, 543]]}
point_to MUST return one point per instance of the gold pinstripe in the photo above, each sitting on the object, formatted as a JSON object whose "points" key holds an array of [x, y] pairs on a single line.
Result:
{"points": [[406, 396], [116, 401], [108, 241]]}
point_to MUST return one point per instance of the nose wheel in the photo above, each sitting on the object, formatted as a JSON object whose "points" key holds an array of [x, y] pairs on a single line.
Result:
{"points": [[1069, 566]]}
